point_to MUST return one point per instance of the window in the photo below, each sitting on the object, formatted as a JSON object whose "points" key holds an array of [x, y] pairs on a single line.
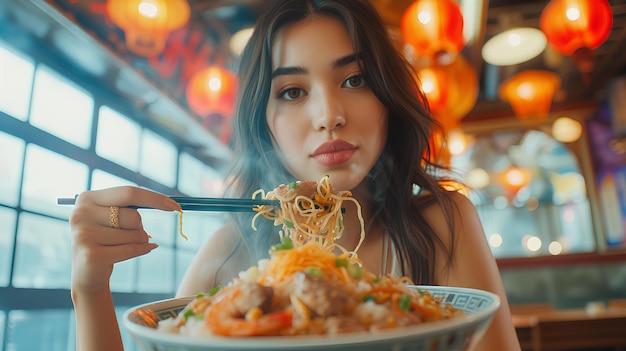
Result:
{"points": [[43, 253], [158, 158], [118, 138], [101, 179], [2, 319], [7, 233], [17, 70], [198, 179], [10, 168], [529, 192], [60, 149], [48, 174], [61, 108], [38, 330]]}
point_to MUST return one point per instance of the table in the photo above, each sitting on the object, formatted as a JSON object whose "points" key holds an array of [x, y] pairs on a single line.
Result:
{"points": [[573, 329]]}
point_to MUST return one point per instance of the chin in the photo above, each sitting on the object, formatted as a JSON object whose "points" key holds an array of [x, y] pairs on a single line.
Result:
{"points": [[341, 178], [345, 179]]}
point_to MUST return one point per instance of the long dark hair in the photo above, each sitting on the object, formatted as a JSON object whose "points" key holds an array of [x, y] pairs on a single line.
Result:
{"points": [[405, 164]]}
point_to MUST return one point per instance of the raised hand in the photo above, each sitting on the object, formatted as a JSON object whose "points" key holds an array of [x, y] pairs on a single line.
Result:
{"points": [[105, 231]]}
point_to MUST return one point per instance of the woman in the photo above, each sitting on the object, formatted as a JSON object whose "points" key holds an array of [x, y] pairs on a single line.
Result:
{"points": [[323, 92]]}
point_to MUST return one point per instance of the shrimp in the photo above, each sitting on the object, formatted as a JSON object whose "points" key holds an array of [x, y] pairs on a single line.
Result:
{"points": [[239, 312]]}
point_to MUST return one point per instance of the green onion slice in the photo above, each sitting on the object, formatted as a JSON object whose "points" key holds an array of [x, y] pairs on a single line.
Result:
{"points": [[404, 303]]}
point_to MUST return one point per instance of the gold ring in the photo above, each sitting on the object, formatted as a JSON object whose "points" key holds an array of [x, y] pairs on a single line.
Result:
{"points": [[114, 217]]}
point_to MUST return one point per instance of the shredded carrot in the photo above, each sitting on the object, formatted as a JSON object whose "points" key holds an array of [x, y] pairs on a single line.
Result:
{"points": [[429, 309], [311, 254], [148, 317]]}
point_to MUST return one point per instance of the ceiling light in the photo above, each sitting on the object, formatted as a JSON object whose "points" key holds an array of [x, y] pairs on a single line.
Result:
{"points": [[514, 46], [530, 93], [566, 130], [239, 40], [147, 23]]}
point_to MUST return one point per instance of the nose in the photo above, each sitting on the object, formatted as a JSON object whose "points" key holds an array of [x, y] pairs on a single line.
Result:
{"points": [[328, 112]]}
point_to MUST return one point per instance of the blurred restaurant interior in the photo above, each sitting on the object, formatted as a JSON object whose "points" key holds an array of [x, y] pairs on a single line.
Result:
{"points": [[537, 130]]}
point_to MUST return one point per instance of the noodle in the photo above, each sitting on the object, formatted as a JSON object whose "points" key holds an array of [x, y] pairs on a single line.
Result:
{"points": [[304, 287], [180, 225], [309, 211]]}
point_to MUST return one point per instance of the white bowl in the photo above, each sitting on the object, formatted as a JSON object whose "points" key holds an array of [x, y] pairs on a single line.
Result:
{"points": [[459, 333]]}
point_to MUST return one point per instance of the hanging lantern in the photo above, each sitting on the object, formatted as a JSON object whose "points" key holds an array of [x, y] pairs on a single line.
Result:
{"points": [[451, 90], [433, 27], [212, 91], [439, 151], [576, 27], [211, 95], [530, 93], [513, 179], [147, 23]]}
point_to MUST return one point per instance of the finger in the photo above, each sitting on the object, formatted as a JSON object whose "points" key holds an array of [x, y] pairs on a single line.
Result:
{"points": [[125, 252], [116, 237], [113, 254], [96, 236], [128, 196], [127, 218]]}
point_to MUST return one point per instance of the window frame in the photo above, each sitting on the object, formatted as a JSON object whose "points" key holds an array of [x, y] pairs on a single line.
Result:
{"points": [[13, 298]]}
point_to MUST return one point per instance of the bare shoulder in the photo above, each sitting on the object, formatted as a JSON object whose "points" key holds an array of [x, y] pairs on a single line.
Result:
{"points": [[460, 203], [217, 261], [473, 265], [465, 239], [462, 213]]}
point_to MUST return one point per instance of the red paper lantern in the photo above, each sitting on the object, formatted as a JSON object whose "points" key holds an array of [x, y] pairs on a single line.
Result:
{"points": [[573, 24], [147, 23], [212, 91], [211, 95], [432, 27], [451, 90], [530, 93]]}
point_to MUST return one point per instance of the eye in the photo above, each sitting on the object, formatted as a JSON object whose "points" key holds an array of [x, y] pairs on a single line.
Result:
{"points": [[354, 82], [291, 94]]}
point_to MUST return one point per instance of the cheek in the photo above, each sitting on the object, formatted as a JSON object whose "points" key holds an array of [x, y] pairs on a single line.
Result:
{"points": [[379, 125], [282, 133], [379, 133], [287, 139], [382, 135]]}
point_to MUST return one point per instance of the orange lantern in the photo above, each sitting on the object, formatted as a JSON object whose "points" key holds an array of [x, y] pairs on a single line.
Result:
{"points": [[432, 27], [576, 27], [439, 151], [147, 23], [211, 95], [515, 178], [212, 91], [573, 24], [451, 90], [530, 93]]}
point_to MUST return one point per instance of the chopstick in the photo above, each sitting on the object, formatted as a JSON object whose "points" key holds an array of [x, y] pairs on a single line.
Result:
{"points": [[203, 203]]}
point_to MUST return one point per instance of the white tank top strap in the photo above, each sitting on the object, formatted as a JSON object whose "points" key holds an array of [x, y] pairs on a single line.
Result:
{"points": [[389, 249]]}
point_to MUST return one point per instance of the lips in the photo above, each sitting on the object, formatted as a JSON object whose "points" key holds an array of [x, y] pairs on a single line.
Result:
{"points": [[334, 153]]}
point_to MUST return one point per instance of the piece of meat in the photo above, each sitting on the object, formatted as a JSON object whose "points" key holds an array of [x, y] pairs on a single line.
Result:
{"points": [[253, 295], [320, 296]]}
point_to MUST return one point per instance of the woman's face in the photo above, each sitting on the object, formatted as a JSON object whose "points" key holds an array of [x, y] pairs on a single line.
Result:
{"points": [[323, 116]]}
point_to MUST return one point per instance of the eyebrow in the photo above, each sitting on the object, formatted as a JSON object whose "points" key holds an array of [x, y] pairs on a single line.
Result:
{"points": [[340, 62]]}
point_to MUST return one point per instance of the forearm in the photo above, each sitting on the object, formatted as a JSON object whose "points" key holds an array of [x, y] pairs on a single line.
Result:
{"points": [[96, 323]]}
